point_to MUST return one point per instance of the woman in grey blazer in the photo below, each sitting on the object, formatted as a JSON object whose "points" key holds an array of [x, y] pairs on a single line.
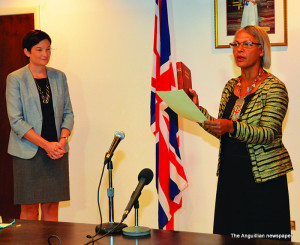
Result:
{"points": [[41, 119]]}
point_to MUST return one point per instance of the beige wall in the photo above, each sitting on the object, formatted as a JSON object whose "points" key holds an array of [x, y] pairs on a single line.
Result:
{"points": [[105, 48]]}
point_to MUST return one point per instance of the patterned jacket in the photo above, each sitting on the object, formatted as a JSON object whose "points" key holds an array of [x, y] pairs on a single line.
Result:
{"points": [[260, 126]]}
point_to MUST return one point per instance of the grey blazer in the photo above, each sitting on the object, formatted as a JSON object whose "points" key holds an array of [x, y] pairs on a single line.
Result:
{"points": [[24, 108]]}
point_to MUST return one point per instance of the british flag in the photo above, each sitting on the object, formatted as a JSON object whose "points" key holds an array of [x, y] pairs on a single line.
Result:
{"points": [[170, 175]]}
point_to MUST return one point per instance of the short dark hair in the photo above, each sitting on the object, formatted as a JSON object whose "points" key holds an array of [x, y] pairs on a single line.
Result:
{"points": [[33, 37]]}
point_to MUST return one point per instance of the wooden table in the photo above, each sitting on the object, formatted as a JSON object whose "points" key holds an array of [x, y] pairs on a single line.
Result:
{"points": [[25, 232]]}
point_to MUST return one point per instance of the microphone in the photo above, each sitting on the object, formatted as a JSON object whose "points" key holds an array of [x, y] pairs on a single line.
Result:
{"points": [[119, 135], [145, 177]]}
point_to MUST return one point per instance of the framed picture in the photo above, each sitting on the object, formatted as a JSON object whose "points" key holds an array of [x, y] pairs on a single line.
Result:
{"points": [[268, 14]]}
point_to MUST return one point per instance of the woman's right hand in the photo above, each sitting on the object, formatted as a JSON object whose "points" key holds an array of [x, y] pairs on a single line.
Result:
{"points": [[219, 126]]}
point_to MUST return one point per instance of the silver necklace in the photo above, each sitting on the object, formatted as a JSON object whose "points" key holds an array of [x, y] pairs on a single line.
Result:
{"points": [[236, 111]]}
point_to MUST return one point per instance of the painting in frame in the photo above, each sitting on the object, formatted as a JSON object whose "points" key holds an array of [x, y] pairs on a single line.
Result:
{"points": [[272, 17]]}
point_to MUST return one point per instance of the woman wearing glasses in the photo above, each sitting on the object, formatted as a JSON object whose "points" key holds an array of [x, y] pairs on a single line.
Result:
{"points": [[41, 119], [252, 194]]}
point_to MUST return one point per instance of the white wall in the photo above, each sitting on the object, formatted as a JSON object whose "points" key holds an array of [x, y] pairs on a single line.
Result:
{"points": [[105, 48]]}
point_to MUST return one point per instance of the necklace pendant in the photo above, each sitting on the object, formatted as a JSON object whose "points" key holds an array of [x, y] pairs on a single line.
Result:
{"points": [[236, 111], [239, 103]]}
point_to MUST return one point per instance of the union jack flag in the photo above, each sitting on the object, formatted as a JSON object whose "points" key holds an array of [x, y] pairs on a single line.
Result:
{"points": [[170, 175]]}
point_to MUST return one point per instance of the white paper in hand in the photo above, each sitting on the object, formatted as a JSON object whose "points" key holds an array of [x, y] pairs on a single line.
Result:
{"points": [[179, 102]]}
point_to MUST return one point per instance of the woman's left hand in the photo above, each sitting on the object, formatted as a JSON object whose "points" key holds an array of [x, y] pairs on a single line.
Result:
{"points": [[219, 126], [62, 142], [57, 150], [60, 150]]}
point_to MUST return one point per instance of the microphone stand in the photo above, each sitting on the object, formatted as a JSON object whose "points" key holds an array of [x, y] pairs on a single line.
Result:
{"points": [[107, 227], [135, 231]]}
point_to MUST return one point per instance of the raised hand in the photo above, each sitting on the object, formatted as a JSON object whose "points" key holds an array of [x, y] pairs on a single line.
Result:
{"points": [[194, 97]]}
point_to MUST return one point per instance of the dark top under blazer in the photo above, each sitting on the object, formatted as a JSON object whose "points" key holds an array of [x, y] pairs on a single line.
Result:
{"points": [[260, 126], [24, 108]]}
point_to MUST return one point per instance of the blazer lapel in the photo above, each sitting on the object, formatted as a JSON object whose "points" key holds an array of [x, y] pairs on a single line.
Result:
{"points": [[54, 92], [226, 96], [33, 89], [256, 103]]}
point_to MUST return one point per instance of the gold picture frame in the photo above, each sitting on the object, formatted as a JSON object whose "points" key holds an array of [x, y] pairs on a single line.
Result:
{"points": [[224, 29]]}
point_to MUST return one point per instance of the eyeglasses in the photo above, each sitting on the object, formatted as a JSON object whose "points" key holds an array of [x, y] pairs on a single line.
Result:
{"points": [[245, 45]]}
